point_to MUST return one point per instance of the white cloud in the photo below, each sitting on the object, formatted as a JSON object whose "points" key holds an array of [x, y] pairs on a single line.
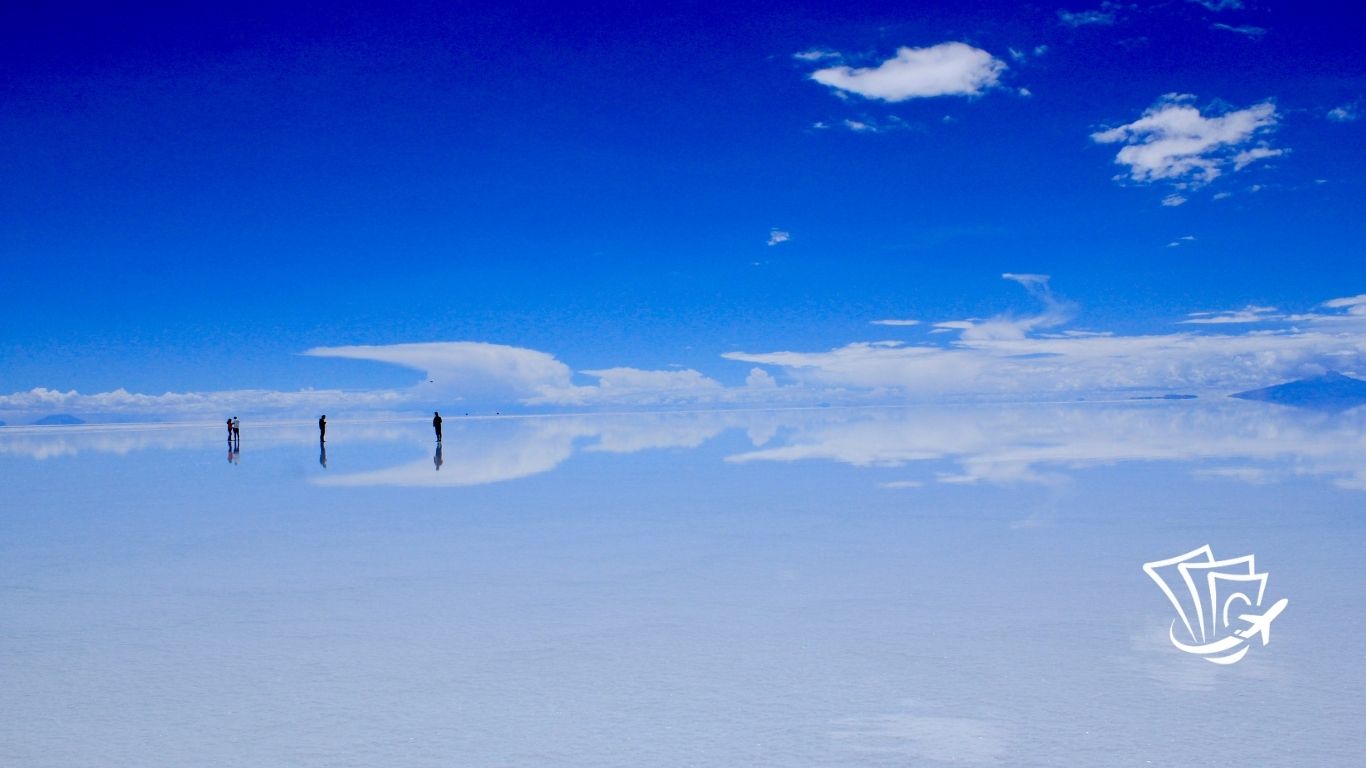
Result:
{"points": [[1173, 141], [1173, 200], [1343, 114], [815, 54], [896, 322], [1055, 366], [1076, 19], [122, 404], [1003, 356], [468, 367], [776, 236], [531, 377], [1245, 30], [761, 380], [947, 69], [635, 386], [1249, 314]]}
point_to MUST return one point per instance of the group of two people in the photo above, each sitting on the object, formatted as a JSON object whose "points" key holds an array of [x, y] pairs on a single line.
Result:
{"points": [[234, 430]]}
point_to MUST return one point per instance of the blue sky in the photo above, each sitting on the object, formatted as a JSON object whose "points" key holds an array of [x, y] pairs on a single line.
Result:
{"points": [[195, 198]]}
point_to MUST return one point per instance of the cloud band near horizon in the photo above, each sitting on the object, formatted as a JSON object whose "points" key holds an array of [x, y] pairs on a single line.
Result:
{"points": [[1028, 356]]}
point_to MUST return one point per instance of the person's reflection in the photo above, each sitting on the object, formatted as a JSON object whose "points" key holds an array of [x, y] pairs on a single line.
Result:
{"points": [[436, 458], [322, 454], [234, 453]]}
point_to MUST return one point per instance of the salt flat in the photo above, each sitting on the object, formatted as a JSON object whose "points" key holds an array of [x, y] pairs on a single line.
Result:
{"points": [[951, 585]]}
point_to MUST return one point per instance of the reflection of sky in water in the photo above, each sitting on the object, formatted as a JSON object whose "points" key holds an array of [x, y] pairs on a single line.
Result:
{"points": [[808, 587]]}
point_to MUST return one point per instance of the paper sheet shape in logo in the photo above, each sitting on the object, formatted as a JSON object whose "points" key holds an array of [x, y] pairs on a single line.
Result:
{"points": [[1205, 592]]}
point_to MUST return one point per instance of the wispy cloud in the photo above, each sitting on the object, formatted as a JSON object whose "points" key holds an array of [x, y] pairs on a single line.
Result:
{"points": [[1249, 314], [1355, 305], [1246, 30], [1173, 200], [870, 125], [1220, 5], [1174, 142], [1054, 313], [815, 54], [1074, 19], [899, 323], [1343, 114], [947, 69], [1249, 156], [1021, 55], [776, 236]]}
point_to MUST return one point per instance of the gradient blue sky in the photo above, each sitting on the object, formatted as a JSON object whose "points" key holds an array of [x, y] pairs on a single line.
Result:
{"points": [[194, 197]]}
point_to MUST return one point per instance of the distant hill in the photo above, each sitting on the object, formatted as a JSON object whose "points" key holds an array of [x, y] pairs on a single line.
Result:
{"points": [[57, 419], [1330, 392], [1166, 397]]}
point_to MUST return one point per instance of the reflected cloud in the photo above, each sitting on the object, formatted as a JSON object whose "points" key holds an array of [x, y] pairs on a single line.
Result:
{"points": [[42, 443], [1043, 444], [476, 452]]}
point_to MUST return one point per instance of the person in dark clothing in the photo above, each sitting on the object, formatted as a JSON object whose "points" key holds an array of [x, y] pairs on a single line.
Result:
{"points": [[230, 430], [322, 428], [436, 424]]}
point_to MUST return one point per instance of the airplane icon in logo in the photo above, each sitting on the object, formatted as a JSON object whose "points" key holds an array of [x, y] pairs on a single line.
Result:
{"points": [[1260, 623], [1219, 586]]}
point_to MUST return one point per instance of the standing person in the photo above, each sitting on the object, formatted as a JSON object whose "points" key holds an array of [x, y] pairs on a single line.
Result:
{"points": [[322, 428], [436, 424], [230, 430], [236, 430]]}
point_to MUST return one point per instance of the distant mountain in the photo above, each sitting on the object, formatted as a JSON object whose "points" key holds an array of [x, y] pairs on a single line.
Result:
{"points": [[58, 418], [1166, 397], [1330, 392]]}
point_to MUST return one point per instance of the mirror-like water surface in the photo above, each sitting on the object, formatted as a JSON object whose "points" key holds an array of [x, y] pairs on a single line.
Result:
{"points": [[917, 586]]}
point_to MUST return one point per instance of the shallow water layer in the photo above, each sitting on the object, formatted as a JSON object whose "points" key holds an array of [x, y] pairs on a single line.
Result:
{"points": [[954, 585]]}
